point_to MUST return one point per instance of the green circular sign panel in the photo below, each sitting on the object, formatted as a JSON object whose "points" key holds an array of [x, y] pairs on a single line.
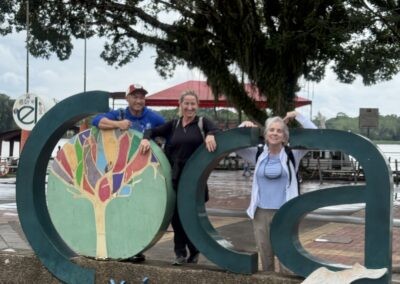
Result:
{"points": [[107, 200]]}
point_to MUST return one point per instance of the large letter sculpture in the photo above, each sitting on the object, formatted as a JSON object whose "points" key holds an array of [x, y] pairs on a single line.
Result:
{"points": [[55, 253], [191, 202], [85, 177], [377, 194], [30, 185]]}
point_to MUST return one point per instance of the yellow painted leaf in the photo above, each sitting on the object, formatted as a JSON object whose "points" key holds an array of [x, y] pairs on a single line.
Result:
{"points": [[110, 145], [70, 155]]}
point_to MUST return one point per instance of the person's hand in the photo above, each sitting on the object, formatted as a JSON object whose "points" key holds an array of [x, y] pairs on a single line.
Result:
{"points": [[247, 123], [289, 116], [124, 124], [144, 146], [211, 145]]}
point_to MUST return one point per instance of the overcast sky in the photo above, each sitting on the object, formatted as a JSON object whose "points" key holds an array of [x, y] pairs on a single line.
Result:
{"points": [[61, 79]]}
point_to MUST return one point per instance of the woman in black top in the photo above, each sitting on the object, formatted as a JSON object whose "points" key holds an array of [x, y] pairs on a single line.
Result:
{"points": [[184, 136]]}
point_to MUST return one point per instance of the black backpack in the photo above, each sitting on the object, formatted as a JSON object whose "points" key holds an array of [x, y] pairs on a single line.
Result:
{"points": [[289, 153]]}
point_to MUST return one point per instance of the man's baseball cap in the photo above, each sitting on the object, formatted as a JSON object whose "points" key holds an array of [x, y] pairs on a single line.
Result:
{"points": [[135, 88]]}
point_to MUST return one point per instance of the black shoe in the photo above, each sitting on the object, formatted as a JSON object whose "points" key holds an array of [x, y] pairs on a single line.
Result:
{"points": [[136, 258], [179, 260], [193, 258]]}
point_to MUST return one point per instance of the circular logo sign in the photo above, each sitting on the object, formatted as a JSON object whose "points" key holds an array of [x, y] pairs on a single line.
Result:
{"points": [[105, 198], [29, 108]]}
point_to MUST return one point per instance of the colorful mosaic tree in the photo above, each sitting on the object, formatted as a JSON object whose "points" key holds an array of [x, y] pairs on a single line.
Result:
{"points": [[102, 171]]}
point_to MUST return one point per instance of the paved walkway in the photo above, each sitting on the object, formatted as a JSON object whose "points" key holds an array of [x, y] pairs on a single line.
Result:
{"points": [[337, 242]]}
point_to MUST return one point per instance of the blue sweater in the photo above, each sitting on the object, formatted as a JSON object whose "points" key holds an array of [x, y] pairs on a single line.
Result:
{"points": [[149, 119]]}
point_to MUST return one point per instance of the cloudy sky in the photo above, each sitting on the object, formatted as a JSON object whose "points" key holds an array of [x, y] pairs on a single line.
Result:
{"points": [[60, 79]]}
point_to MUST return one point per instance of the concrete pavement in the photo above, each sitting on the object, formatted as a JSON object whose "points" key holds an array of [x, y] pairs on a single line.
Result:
{"points": [[336, 242]]}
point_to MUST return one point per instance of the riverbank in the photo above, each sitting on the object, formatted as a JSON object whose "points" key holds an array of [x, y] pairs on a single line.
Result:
{"points": [[386, 142]]}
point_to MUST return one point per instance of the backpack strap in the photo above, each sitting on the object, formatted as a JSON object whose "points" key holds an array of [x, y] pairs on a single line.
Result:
{"points": [[200, 124], [290, 155], [121, 114], [176, 125], [260, 149]]}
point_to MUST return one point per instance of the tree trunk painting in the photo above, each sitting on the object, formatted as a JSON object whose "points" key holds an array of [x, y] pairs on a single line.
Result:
{"points": [[100, 219]]}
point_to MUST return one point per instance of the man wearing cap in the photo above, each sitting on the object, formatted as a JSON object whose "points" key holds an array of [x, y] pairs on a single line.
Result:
{"points": [[136, 116]]}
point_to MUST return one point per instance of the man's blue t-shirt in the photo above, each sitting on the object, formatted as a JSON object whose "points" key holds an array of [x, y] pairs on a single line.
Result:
{"points": [[149, 119]]}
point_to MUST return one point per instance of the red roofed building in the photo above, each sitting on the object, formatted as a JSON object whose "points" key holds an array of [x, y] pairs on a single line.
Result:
{"points": [[170, 96]]}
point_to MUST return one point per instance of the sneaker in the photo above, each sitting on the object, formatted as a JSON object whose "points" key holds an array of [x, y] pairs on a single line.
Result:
{"points": [[193, 258], [136, 258], [179, 260]]}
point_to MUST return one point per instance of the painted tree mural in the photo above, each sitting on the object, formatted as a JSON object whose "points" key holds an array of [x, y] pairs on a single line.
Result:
{"points": [[101, 166]]}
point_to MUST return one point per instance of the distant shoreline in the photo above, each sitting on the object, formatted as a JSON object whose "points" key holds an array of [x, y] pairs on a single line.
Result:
{"points": [[386, 142]]}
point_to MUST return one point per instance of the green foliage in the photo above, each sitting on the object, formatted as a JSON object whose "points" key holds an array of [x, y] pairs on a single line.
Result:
{"points": [[343, 123], [268, 43], [169, 114], [388, 127], [6, 117]]}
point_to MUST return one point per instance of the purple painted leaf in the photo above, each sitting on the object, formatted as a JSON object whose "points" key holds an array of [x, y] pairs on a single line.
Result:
{"points": [[117, 180], [83, 136]]}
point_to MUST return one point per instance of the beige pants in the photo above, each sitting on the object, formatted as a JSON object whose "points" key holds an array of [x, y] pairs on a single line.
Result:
{"points": [[261, 225]]}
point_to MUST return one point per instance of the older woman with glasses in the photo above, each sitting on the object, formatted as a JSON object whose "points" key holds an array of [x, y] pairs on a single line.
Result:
{"points": [[274, 180]]}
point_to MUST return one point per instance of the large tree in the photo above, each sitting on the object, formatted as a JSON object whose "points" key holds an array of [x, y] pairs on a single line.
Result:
{"points": [[271, 43], [6, 116]]}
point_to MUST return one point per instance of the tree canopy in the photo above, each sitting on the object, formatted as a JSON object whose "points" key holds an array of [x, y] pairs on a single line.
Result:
{"points": [[270, 43], [6, 117], [388, 127]]}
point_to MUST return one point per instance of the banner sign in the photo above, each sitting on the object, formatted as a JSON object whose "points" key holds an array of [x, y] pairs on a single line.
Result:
{"points": [[29, 108]]}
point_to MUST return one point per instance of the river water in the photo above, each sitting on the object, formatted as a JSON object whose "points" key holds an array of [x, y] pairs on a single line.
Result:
{"points": [[392, 153]]}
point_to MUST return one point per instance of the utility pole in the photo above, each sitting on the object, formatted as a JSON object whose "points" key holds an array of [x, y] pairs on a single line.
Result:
{"points": [[25, 133], [84, 59], [84, 123], [27, 45]]}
